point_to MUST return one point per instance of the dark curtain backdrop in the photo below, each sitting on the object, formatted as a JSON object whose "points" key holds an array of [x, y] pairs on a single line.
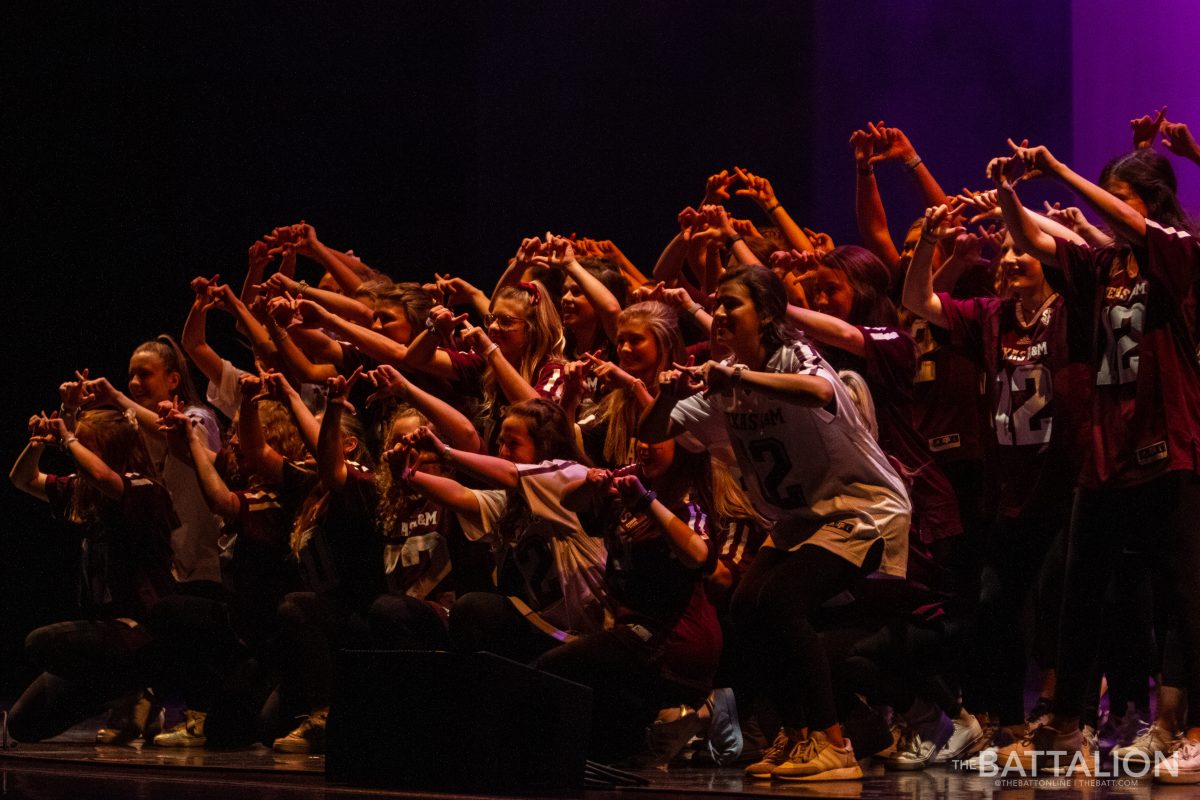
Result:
{"points": [[145, 143]]}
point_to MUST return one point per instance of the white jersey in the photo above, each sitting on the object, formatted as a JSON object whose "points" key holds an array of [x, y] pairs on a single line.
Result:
{"points": [[816, 471]]}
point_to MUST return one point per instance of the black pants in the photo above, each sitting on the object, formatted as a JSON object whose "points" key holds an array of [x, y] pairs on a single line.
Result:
{"points": [[772, 610], [86, 666], [198, 644], [1016, 554], [400, 622], [311, 628], [1164, 512], [483, 622]]}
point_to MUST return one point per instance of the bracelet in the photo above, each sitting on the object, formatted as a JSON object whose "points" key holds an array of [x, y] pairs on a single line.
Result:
{"points": [[771, 210], [931, 241], [301, 288], [736, 380], [429, 326], [445, 454], [278, 334], [911, 164], [737, 237], [695, 309], [66, 443], [867, 170], [491, 350]]}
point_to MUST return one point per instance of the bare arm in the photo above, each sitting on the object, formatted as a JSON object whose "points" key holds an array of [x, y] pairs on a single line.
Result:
{"points": [[449, 493], [919, 296], [450, 423], [195, 343], [26, 473], [331, 457], [828, 330], [262, 458], [868, 205], [216, 494]]}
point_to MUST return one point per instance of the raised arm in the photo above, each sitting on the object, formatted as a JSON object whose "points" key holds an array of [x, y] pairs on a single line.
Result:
{"points": [[216, 494], [561, 256], [108, 481], [444, 491], [261, 457], [368, 341], [493, 471], [194, 339], [331, 452], [277, 387], [1019, 221], [1179, 140], [689, 547], [892, 145], [759, 189], [339, 304], [334, 262], [423, 352], [1122, 220], [26, 473], [868, 205], [454, 427], [510, 381], [919, 296]]}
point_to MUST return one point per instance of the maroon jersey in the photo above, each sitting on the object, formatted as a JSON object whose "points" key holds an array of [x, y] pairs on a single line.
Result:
{"points": [[416, 552], [888, 369], [126, 548], [260, 569], [1034, 388], [1145, 410], [948, 397]]}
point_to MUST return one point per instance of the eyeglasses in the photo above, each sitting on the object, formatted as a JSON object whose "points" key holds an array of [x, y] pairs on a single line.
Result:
{"points": [[503, 320]]}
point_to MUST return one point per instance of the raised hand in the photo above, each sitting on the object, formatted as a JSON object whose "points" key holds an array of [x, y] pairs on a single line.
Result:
{"points": [[1145, 128], [863, 145], [985, 204], [757, 189], [676, 297], [1179, 140], [476, 338], [388, 382], [968, 247], [744, 228], [717, 219], [608, 373], [682, 381], [171, 418], [100, 390], [443, 321], [823, 242], [278, 283], [529, 248], [1038, 160], [48, 429], [691, 222], [1070, 216], [797, 261], [650, 292], [423, 438], [311, 315], [338, 388], [936, 224], [890, 144], [249, 386], [716, 188], [556, 253], [257, 257], [74, 394], [274, 386]]}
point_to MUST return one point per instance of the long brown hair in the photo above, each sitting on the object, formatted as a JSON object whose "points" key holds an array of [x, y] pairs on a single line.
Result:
{"points": [[543, 338]]}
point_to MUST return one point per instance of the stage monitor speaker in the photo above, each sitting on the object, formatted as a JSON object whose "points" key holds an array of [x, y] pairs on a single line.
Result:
{"points": [[453, 722]]}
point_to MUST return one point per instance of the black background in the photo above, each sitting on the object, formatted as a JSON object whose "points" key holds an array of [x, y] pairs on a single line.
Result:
{"points": [[145, 143]]}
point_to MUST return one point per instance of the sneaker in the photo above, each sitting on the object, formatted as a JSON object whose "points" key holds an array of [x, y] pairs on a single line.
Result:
{"points": [[136, 714], [309, 736], [968, 738], [785, 742], [1183, 765], [818, 759], [724, 730], [923, 741], [1035, 752], [1150, 741], [1122, 729], [189, 733]]}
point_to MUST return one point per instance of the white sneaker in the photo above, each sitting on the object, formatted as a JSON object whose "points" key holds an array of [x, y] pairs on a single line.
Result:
{"points": [[1150, 741], [1183, 765], [968, 737]]}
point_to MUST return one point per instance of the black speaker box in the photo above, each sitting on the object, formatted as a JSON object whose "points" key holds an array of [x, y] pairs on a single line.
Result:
{"points": [[453, 722]]}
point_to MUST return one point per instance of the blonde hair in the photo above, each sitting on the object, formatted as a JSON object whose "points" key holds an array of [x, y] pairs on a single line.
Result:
{"points": [[618, 410], [543, 338], [391, 492]]}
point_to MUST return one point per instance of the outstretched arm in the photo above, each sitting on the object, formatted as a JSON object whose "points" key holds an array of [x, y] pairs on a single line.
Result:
{"points": [[868, 205], [919, 296], [829, 330], [447, 420]]}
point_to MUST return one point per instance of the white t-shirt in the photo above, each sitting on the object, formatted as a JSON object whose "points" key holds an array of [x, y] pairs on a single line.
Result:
{"points": [[568, 591], [816, 471]]}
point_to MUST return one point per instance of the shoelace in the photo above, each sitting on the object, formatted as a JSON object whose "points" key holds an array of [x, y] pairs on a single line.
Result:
{"points": [[779, 748], [805, 750]]}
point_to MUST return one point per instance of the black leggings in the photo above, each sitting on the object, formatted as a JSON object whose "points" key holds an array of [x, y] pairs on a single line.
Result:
{"points": [[199, 646], [772, 609], [1016, 554], [1165, 511], [87, 665], [311, 628]]}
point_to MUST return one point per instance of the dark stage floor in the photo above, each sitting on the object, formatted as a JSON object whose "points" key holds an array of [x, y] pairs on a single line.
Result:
{"points": [[72, 767]]}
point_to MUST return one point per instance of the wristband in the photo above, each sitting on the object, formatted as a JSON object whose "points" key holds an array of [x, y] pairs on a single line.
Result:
{"points": [[736, 380], [867, 170], [491, 350], [301, 288], [771, 210], [445, 454], [644, 502], [66, 443], [737, 237], [429, 326], [278, 334], [695, 309], [929, 240], [911, 164]]}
